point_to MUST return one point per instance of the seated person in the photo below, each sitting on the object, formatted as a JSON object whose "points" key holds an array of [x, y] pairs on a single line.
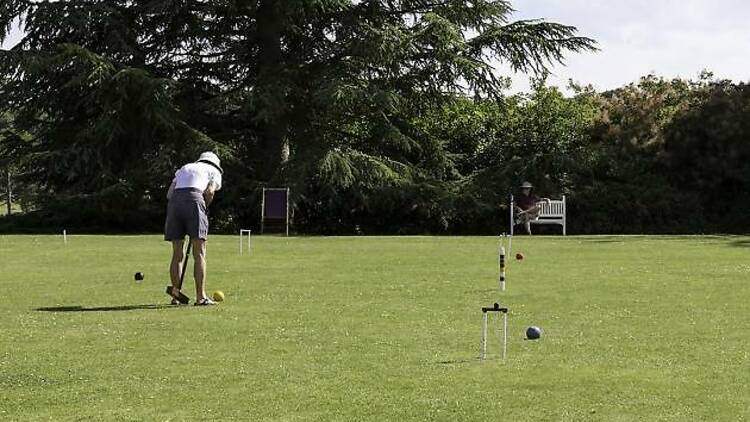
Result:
{"points": [[525, 206]]}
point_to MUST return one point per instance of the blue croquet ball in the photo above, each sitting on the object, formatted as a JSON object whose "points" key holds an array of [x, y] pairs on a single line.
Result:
{"points": [[533, 333]]}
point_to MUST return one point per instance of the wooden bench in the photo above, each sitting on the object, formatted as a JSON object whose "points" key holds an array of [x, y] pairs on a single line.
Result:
{"points": [[552, 213]]}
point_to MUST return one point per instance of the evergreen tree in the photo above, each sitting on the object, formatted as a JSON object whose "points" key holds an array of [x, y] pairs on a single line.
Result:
{"points": [[318, 94]]}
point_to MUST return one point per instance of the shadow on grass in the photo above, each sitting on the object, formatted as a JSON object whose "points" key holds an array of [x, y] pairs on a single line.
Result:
{"points": [[459, 361], [696, 239], [740, 243], [477, 291], [601, 239], [76, 308]]}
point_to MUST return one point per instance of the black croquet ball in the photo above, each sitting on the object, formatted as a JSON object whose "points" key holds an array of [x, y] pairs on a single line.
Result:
{"points": [[138, 276], [533, 333]]}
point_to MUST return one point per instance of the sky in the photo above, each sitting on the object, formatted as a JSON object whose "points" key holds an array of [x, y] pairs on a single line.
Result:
{"points": [[670, 38]]}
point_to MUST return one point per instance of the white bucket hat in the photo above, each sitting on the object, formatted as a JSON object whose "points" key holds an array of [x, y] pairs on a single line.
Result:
{"points": [[209, 157], [526, 185]]}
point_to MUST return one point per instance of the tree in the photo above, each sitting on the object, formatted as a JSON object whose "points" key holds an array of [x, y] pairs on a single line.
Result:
{"points": [[494, 144], [707, 153], [625, 186], [9, 140], [103, 129], [318, 94], [380, 68]]}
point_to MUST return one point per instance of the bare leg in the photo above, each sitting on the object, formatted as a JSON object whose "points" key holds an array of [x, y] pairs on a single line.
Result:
{"points": [[175, 267], [519, 215], [526, 216], [199, 268]]}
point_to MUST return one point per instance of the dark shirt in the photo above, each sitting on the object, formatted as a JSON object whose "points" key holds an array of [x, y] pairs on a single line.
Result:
{"points": [[526, 202]]}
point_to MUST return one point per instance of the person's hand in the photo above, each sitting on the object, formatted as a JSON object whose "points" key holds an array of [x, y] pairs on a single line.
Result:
{"points": [[208, 194]]}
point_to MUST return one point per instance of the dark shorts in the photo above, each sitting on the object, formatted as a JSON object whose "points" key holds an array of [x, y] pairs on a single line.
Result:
{"points": [[186, 216]]}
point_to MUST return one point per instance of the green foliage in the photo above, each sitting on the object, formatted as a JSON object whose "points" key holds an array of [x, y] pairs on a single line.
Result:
{"points": [[493, 145], [707, 151], [626, 185], [382, 116], [97, 132], [116, 94]]}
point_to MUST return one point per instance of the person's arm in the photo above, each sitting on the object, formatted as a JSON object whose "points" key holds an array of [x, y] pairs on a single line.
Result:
{"points": [[170, 191], [538, 199], [208, 194]]}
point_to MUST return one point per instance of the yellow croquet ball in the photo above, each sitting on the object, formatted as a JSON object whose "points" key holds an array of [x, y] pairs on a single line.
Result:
{"points": [[218, 296]]}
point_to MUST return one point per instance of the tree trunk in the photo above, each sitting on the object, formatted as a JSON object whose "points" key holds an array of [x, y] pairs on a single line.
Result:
{"points": [[271, 95], [10, 195]]}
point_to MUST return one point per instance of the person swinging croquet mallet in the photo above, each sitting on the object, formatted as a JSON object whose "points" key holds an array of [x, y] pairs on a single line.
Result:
{"points": [[189, 195]]}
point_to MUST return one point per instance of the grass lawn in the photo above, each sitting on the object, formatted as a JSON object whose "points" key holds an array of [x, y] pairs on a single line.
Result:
{"points": [[377, 329]]}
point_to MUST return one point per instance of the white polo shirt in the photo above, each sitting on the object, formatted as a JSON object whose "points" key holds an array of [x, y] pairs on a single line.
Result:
{"points": [[197, 176]]}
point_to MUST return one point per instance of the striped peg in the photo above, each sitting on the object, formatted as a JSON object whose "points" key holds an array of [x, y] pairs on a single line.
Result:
{"points": [[502, 268]]}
